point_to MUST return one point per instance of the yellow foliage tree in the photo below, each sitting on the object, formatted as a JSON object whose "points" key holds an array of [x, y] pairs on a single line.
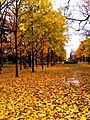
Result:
{"points": [[84, 49]]}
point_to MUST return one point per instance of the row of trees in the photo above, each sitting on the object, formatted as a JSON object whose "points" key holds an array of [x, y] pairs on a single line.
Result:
{"points": [[32, 28], [83, 51]]}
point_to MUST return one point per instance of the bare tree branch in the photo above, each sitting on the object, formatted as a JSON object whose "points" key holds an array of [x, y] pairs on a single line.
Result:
{"points": [[80, 20]]}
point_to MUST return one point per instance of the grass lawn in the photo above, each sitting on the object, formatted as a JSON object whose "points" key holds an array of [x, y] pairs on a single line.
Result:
{"points": [[61, 92]]}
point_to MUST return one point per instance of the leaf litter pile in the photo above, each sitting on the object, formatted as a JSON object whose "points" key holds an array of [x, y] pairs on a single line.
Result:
{"points": [[45, 95]]}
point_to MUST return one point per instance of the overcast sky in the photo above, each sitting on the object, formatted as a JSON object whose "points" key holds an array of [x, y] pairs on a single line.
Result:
{"points": [[74, 38]]}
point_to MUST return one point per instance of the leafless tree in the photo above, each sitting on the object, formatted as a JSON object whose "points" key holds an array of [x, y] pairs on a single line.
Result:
{"points": [[78, 15]]}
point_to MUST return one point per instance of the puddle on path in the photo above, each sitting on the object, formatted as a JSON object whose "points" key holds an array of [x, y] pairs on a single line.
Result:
{"points": [[73, 81], [67, 68]]}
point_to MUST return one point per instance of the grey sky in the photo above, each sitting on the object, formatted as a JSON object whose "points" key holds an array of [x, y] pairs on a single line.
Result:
{"points": [[75, 37]]}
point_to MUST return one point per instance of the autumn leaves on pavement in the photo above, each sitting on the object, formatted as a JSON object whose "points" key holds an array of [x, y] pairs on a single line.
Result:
{"points": [[45, 95]]}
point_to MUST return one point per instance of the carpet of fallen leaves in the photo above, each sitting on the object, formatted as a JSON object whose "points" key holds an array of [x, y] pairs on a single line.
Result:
{"points": [[47, 94]]}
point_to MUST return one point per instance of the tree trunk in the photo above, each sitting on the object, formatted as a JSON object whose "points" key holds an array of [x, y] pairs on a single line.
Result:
{"points": [[54, 57], [29, 59], [0, 68], [0, 29], [36, 61], [24, 62], [42, 64], [32, 60], [42, 59], [16, 41], [48, 58], [20, 60], [51, 57], [88, 60], [32, 51]]}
